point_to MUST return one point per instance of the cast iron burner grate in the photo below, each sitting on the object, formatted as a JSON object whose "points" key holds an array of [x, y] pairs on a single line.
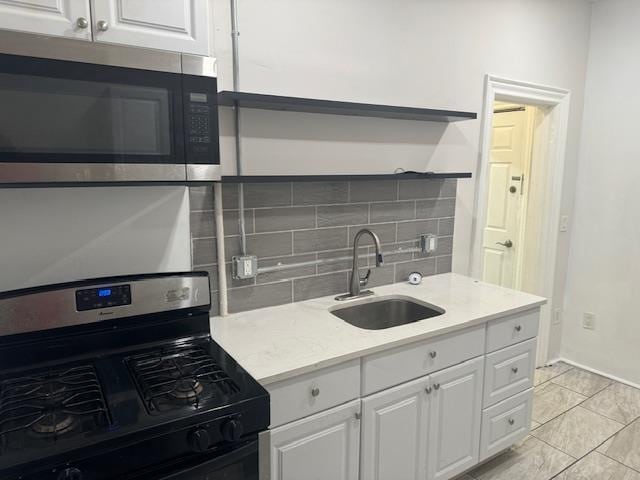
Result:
{"points": [[177, 377], [44, 407]]}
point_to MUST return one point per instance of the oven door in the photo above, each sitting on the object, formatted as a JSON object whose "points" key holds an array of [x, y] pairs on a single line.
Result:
{"points": [[63, 121], [240, 464]]}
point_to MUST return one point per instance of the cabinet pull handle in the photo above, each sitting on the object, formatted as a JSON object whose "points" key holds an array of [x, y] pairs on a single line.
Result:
{"points": [[518, 328], [428, 390], [103, 25], [511, 421], [433, 354], [514, 369], [82, 22], [436, 386], [315, 391]]}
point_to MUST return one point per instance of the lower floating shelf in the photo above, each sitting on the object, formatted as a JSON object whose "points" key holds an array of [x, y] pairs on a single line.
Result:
{"points": [[337, 178]]}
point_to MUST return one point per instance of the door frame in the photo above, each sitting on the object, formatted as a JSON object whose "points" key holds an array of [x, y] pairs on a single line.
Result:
{"points": [[557, 100]]}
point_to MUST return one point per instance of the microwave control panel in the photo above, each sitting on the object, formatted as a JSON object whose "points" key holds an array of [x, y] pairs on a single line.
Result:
{"points": [[201, 120]]}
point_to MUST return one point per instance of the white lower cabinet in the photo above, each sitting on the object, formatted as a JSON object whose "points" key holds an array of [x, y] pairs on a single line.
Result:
{"points": [[394, 433], [454, 419], [324, 446]]}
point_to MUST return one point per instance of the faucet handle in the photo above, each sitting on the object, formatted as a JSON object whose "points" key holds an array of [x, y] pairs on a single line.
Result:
{"points": [[364, 280]]}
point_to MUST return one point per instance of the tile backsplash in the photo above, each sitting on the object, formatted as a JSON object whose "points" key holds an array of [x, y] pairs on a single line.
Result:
{"points": [[289, 223]]}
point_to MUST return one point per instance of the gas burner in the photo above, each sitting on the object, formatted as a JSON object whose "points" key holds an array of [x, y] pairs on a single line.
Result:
{"points": [[52, 423], [48, 405], [175, 377]]}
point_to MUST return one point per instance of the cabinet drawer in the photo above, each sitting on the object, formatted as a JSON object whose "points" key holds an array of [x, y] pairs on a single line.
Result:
{"points": [[513, 329], [386, 369], [506, 423], [307, 394], [509, 371]]}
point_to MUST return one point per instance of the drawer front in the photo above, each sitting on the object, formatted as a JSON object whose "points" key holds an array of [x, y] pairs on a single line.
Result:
{"points": [[506, 423], [311, 393], [386, 369], [509, 371], [513, 329]]}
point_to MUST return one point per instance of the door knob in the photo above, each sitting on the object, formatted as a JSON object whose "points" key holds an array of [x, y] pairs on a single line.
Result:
{"points": [[82, 22], [103, 26], [507, 244]]}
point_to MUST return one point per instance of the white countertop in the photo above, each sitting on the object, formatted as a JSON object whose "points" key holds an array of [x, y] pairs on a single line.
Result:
{"points": [[276, 343]]}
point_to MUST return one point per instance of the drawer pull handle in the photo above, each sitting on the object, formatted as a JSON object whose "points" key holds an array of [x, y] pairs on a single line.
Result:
{"points": [[514, 369], [511, 421], [315, 391], [433, 354], [428, 390], [518, 328], [436, 386]]}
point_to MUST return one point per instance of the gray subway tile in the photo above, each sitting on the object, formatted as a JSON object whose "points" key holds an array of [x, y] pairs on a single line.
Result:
{"points": [[425, 266], [343, 264], [397, 247], [284, 218], [392, 211], [201, 198], [383, 275], [427, 188], [321, 239], [373, 190], [202, 224], [259, 296], [436, 208], [319, 286], [337, 215], [386, 233], [443, 264], [231, 221], [229, 196], [413, 229], [319, 193], [261, 244], [289, 273], [204, 251], [257, 195], [445, 226]]}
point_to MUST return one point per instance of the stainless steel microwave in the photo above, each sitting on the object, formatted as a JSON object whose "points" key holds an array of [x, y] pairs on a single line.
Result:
{"points": [[79, 112]]}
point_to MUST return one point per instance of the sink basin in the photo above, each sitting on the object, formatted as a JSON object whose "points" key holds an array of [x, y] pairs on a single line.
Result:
{"points": [[386, 312]]}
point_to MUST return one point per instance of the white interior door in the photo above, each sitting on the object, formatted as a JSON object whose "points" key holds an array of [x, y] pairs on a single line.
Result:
{"points": [[177, 25], [48, 17], [508, 173], [394, 433]]}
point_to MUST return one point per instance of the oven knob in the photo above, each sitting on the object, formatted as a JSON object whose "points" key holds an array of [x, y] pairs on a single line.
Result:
{"points": [[199, 440], [70, 474], [232, 430]]}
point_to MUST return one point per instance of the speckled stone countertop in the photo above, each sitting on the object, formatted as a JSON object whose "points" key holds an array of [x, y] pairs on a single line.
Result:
{"points": [[276, 343]]}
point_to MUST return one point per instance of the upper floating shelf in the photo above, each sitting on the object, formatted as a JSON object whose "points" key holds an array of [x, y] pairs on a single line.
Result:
{"points": [[336, 178], [311, 105]]}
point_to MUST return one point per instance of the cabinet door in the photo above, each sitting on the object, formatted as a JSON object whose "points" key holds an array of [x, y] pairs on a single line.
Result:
{"points": [[325, 446], [48, 17], [394, 433], [177, 25], [455, 416]]}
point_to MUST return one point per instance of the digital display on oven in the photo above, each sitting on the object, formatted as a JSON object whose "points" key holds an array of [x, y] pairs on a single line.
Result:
{"points": [[103, 297]]}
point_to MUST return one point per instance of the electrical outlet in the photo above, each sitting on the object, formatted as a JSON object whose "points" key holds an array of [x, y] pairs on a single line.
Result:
{"points": [[564, 223], [245, 266], [589, 321], [557, 316]]}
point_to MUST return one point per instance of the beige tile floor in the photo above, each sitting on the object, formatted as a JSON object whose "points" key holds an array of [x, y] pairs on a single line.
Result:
{"points": [[584, 427]]}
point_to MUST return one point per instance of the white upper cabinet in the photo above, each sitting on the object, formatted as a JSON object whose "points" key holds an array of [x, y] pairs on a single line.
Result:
{"points": [[394, 433], [178, 25], [65, 18], [455, 417]]}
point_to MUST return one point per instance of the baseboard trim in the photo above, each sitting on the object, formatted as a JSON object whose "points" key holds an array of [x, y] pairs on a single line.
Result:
{"points": [[597, 372]]}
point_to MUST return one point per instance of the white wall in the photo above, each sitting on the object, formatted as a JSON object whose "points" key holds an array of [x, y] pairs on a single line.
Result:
{"points": [[604, 267], [429, 53], [54, 235]]}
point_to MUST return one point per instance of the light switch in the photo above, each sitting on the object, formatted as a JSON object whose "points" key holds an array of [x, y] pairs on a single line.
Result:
{"points": [[564, 223]]}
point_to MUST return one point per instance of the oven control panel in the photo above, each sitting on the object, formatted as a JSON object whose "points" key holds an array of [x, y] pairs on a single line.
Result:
{"points": [[103, 297]]}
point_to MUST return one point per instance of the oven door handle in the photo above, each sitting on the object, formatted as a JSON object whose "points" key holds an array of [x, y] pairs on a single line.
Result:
{"points": [[214, 465]]}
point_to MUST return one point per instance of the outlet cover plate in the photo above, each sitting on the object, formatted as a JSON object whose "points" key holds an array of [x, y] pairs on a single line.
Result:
{"points": [[589, 321]]}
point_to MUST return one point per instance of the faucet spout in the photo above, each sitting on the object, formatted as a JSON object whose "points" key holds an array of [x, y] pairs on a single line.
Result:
{"points": [[356, 282]]}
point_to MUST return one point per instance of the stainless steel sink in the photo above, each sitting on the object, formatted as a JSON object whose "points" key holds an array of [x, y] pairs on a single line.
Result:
{"points": [[386, 312]]}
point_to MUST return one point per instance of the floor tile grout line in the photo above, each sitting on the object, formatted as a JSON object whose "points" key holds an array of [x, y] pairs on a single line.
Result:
{"points": [[581, 393], [611, 458]]}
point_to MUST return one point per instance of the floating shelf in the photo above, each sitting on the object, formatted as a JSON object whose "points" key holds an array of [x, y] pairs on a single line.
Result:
{"points": [[310, 105], [337, 178]]}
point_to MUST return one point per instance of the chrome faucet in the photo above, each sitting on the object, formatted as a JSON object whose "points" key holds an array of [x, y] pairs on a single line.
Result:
{"points": [[356, 282]]}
